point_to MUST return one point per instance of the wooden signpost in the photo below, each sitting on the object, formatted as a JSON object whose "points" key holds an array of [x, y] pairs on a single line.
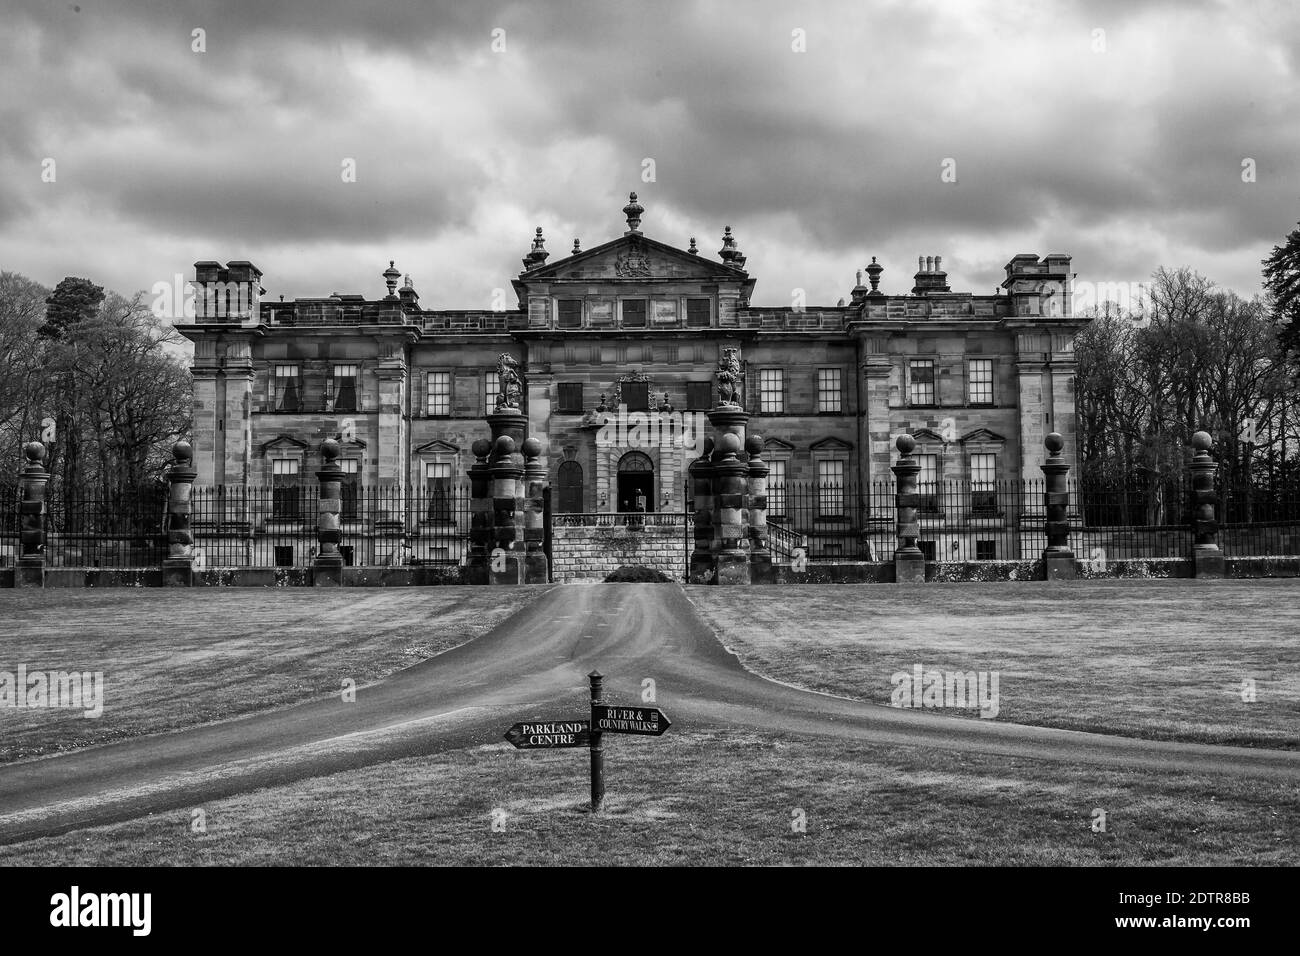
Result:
{"points": [[578, 732]]}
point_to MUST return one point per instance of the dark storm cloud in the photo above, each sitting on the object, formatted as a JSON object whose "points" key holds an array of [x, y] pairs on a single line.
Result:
{"points": [[1054, 141]]}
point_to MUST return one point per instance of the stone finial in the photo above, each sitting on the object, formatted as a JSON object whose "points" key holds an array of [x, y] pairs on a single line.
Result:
{"points": [[693, 249], [182, 451], [730, 252], [729, 445], [709, 445], [505, 445], [602, 407], [665, 405], [905, 444], [538, 254], [1054, 444], [1202, 443], [481, 449], [391, 275], [532, 448], [35, 452], [577, 247], [633, 211], [754, 446], [873, 275], [329, 452]]}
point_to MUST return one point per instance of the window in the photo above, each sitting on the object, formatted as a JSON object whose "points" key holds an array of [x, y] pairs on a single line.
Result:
{"points": [[345, 388], [286, 389], [771, 391], [776, 489], [697, 313], [921, 382], [351, 477], [830, 488], [284, 487], [570, 398], [699, 395], [438, 394], [283, 555], [927, 550], [986, 550], [981, 382], [828, 390], [491, 386], [983, 490], [927, 484], [570, 314], [437, 484], [634, 313], [636, 396]]}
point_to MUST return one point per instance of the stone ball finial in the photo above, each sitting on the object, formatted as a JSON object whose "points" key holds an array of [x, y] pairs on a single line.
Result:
{"points": [[1202, 442], [729, 444], [182, 451], [1054, 442], [532, 447], [329, 450], [709, 445], [505, 445], [35, 452], [905, 444], [481, 448], [753, 446]]}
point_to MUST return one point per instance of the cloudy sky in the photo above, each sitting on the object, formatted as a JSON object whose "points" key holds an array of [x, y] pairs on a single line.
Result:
{"points": [[1115, 132]]}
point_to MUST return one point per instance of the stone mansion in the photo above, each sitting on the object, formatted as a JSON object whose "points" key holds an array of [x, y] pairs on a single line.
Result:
{"points": [[978, 380]]}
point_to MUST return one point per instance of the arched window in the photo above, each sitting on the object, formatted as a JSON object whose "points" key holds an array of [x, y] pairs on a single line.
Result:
{"points": [[570, 487]]}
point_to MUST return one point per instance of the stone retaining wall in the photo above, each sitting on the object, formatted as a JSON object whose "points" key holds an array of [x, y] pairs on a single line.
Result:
{"points": [[588, 554]]}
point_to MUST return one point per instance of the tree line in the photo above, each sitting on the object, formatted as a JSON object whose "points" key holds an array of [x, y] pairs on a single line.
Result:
{"points": [[96, 377], [1194, 356]]}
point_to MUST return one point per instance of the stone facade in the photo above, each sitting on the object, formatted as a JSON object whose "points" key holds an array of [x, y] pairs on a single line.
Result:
{"points": [[404, 388]]}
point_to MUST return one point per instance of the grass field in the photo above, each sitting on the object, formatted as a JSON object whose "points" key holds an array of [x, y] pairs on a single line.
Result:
{"points": [[165, 666], [712, 798], [1161, 659]]}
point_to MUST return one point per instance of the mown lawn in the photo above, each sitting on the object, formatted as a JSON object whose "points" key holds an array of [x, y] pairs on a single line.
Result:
{"points": [[176, 658], [713, 798], [1161, 659]]}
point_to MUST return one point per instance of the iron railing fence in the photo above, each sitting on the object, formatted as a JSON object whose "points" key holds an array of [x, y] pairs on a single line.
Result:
{"points": [[243, 526], [240, 526], [94, 530], [1261, 519], [1004, 520]]}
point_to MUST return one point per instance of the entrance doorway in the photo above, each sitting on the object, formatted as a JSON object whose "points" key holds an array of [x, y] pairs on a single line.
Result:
{"points": [[636, 479]]}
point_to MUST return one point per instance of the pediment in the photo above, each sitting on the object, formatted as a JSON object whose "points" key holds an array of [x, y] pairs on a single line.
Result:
{"points": [[982, 435], [282, 443], [438, 445], [830, 443], [633, 259], [776, 444], [927, 435]]}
